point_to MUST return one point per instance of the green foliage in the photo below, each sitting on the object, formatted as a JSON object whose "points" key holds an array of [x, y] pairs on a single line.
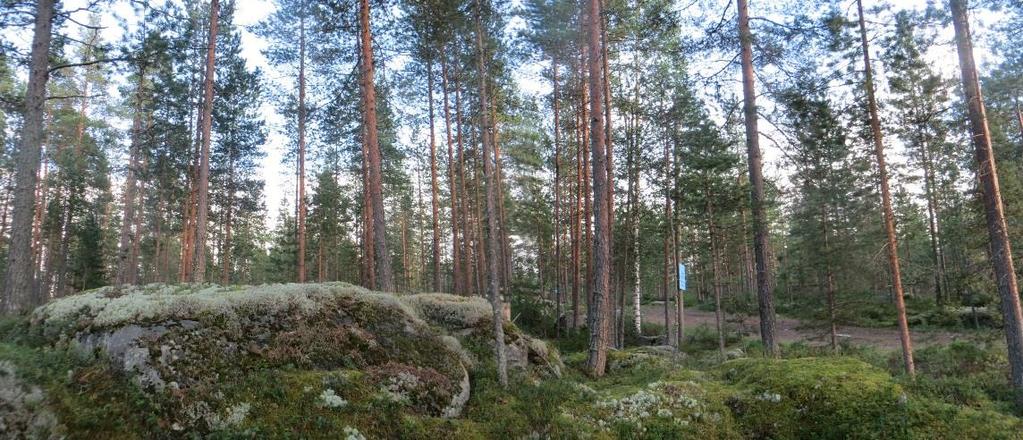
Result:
{"points": [[969, 374]]}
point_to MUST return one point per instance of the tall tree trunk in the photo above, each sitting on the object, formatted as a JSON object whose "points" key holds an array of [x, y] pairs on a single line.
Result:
{"points": [[637, 295], [19, 293], [225, 271], [680, 323], [301, 145], [126, 273], [588, 197], [467, 231], [202, 199], [601, 258], [987, 174], [458, 287], [558, 294], [934, 224], [829, 279], [434, 196], [368, 243], [635, 158], [577, 220], [715, 264], [886, 200], [669, 221], [506, 258], [493, 245], [765, 297], [384, 277], [748, 274], [42, 190]]}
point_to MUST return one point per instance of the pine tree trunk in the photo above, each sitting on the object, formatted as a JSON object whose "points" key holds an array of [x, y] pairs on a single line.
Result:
{"points": [[558, 294], [934, 225], [715, 264], [668, 220], [125, 273], [601, 250], [886, 201], [506, 258], [382, 269], [637, 294], [301, 145], [468, 234], [577, 225], [434, 196], [987, 174], [829, 280], [492, 226], [19, 292], [765, 297], [456, 255], [225, 271], [202, 198], [679, 303]]}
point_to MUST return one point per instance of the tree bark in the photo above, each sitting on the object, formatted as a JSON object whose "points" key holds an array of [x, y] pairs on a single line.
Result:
{"points": [[715, 264], [934, 224], [126, 272], [467, 231], [669, 222], [202, 194], [19, 290], [382, 268], [987, 174], [558, 300], [886, 200], [765, 297], [434, 197], [493, 245], [301, 145], [458, 287], [601, 257], [577, 220]]}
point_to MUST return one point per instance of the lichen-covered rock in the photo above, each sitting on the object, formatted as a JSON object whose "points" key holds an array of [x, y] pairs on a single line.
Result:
{"points": [[186, 345], [199, 350]]}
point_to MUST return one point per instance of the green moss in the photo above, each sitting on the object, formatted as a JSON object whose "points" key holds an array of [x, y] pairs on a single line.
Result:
{"points": [[823, 398], [932, 419]]}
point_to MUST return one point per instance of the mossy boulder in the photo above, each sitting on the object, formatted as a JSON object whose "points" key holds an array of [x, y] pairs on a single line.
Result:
{"points": [[824, 398], [207, 354]]}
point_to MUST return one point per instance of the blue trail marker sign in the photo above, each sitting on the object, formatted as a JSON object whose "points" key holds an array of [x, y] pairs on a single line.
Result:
{"points": [[681, 276]]}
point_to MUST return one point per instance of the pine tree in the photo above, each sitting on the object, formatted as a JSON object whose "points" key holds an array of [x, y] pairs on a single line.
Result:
{"points": [[987, 174], [19, 289]]}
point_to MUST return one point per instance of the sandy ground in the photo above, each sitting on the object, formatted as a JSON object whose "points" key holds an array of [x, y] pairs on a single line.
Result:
{"points": [[793, 330]]}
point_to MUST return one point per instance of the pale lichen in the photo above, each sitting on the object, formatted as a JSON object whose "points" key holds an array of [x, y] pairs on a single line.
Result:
{"points": [[329, 398]]}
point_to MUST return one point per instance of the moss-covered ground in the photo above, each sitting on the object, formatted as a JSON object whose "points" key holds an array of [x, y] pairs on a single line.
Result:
{"points": [[961, 392]]}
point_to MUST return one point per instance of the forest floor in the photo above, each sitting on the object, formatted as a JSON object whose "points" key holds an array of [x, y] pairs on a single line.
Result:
{"points": [[795, 330]]}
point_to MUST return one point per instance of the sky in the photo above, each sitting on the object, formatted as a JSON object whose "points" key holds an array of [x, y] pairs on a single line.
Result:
{"points": [[279, 178]]}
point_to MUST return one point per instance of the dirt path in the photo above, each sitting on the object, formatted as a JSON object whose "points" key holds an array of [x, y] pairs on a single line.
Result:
{"points": [[793, 330]]}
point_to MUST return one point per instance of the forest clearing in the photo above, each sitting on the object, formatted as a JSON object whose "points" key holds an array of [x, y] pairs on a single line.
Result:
{"points": [[511, 219]]}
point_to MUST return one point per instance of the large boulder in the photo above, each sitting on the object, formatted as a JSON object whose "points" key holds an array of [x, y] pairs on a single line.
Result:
{"points": [[196, 349]]}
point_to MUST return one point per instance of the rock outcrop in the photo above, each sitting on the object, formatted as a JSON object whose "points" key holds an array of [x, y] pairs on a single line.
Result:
{"points": [[194, 349]]}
